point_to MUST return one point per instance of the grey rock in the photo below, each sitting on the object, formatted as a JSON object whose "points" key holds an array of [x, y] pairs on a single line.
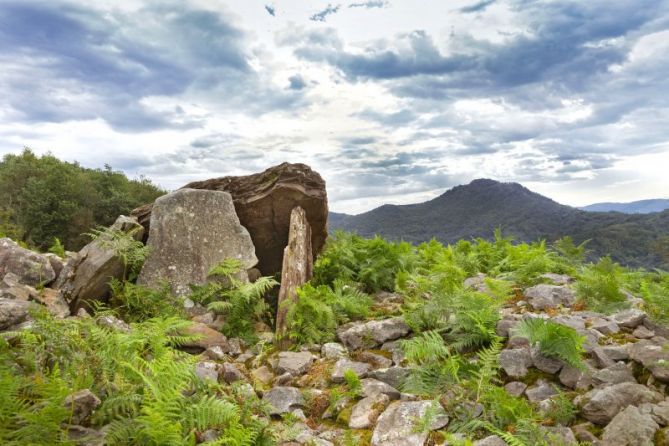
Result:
{"points": [[377, 361], [542, 296], [560, 436], [207, 370], [615, 374], [558, 279], [373, 333], [283, 399], [396, 350], [477, 283], [372, 387], [13, 312], [192, 231], [642, 332], [367, 410], [542, 390], [604, 326], [215, 352], [631, 318], [659, 412], [515, 361], [84, 436], [231, 373], [515, 388], [506, 325], [295, 363], [333, 350], [393, 376], [263, 375], [113, 323], [491, 440], [575, 322], [575, 378], [583, 433], [284, 380], [616, 352], [30, 267], [654, 356], [205, 337], [82, 404], [602, 404], [630, 428], [545, 363], [396, 425], [86, 277], [360, 368]]}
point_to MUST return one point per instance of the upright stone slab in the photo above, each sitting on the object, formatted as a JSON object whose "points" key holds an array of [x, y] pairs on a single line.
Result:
{"points": [[86, 277], [192, 231], [298, 265]]}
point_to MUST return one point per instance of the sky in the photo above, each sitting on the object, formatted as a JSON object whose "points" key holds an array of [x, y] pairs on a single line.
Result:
{"points": [[390, 101]]}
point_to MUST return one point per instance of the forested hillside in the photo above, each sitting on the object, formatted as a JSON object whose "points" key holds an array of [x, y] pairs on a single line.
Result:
{"points": [[44, 198], [477, 209]]}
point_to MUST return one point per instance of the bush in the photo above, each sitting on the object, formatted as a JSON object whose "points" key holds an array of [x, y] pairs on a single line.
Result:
{"points": [[310, 318], [599, 286], [554, 340]]}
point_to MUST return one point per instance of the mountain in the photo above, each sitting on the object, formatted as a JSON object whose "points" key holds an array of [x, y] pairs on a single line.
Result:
{"points": [[633, 207], [476, 209]]}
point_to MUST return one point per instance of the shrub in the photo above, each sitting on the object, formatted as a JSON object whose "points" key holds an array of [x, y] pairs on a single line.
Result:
{"points": [[553, 340], [310, 319], [599, 286], [137, 303]]}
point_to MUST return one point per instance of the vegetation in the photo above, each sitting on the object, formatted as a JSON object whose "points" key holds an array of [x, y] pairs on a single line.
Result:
{"points": [[553, 340], [46, 198]]}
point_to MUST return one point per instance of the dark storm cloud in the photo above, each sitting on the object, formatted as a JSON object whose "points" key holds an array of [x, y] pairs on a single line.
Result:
{"points": [[322, 16]]}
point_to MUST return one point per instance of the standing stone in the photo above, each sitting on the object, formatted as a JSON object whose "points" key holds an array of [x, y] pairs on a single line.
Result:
{"points": [[298, 266], [30, 267], [86, 277], [191, 232], [264, 202]]}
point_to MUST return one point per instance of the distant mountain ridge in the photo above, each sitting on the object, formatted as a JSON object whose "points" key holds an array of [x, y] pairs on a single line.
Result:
{"points": [[476, 209], [632, 207]]}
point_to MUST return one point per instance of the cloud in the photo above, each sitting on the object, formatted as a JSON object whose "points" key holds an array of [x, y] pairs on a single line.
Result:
{"points": [[271, 10], [296, 82], [477, 7], [370, 4], [322, 16]]}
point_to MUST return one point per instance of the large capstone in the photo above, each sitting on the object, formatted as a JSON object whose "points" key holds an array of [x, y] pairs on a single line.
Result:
{"points": [[264, 202], [191, 232]]}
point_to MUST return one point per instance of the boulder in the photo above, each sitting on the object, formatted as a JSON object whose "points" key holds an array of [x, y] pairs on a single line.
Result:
{"points": [[207, 371], [631, 318], [393, 376], [367, 410], [515, 361], [13, 312], [543, 296], [30, 267], [86, 277], [191, 232], [630, 428], [371, 387], [373, 333], [654, 356], [333, 350], [264, 202], [542, 390], [360, 368], [283, 399], [82, 404], [298, 266], [602, 404], [397, 424], [615, 374], [54, 302], [295, 363], [205, 337]]}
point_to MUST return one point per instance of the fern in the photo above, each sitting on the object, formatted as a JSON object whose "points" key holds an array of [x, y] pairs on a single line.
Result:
{"points": [[132, 252], [554, 340], [599, 286], [310, 319]]}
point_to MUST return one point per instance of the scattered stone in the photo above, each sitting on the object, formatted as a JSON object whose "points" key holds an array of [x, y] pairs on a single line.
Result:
{"points": [[560, 436], [617, 352], [84, 436], [642, 332], [515, 362], [393, 376], [367, 410], [283, 399], [372, 387], [542, 296], [574, 322], [630, 428], [583, 433], [86, 277], [231, 373], [29, 267], [396, 425], [295, 363], [631, 318], [244, 357], [653, 356], [284, 380], [333, 350], [557, 279], [13, 312], [477, 283], [191, 232], [373, 333], [82, 404], [515, 388], [263, 375], [575, 378], [396, 350], [506, 325], [615, 374], [602, 404], [207, 370], [545, 363], [216, 353], [491, 440], [205, 337], [113, 323], [542, 390], [360, 368], [377, 361], [604, 326]]}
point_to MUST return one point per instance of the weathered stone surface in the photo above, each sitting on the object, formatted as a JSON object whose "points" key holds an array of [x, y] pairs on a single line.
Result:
{"points": [[393, 376], [205, 338], [540, 391], [543, 296], [515, 361], [84, 436], [652, 355], [264, 202], [263, 375], [642, 332], [604, 326], [82, 404], [30, 267], [515, 388], [333, 350], [191, 232], [377, 361], [575, 378], [54, 302], [395, 426], [13, 312], [545, 363], [295, 363], [558, 279], [367, 410], [617, 352], [360, 368], [86, 277], [631, 318], [373, 333], [615, 374], [283, 399], [630, 428], [297, 269], [207, 370], [602, 404], [371, 387], [492, 440]]}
